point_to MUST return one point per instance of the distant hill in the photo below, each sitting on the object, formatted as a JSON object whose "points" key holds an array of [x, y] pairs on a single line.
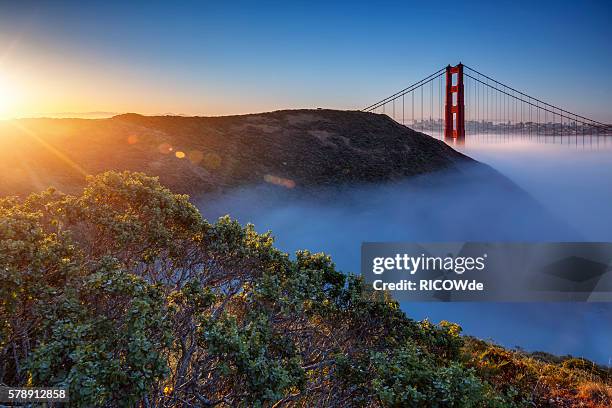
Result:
{"points": [[292, 148]]}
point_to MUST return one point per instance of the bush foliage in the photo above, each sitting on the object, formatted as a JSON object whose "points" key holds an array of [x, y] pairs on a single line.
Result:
{"points": [[128, 297]]}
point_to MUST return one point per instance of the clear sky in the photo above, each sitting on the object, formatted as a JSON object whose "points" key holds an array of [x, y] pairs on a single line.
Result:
{"points": [[223, 57]]}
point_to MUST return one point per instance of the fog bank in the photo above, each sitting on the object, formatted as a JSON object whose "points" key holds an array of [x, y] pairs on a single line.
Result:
{"points": [[559, 203]]}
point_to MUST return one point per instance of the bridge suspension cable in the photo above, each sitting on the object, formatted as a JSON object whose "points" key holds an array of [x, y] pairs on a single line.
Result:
{"points": [[511, 111], [531, 97], [404, 91], [477, 104], [569, 116]]}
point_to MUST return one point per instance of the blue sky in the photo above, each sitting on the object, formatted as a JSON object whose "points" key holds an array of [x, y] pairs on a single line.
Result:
{"points": [[237, 57]]}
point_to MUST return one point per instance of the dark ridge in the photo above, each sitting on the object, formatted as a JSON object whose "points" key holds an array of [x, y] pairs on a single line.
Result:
{"points": [[292, 148]]}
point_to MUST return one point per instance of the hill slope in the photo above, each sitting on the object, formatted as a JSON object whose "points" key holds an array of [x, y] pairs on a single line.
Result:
{"points": [[201, 154], [126, 296]]}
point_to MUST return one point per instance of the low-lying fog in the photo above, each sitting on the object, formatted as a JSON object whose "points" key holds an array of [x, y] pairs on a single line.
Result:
{"points": [[567, 195]]}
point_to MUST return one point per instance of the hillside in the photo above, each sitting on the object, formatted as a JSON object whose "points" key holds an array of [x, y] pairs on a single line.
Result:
{"points": [[201, 154], [126, 296]]}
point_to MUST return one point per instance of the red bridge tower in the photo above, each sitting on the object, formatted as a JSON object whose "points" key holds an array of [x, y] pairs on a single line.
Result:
{"points": [[454, 108]]}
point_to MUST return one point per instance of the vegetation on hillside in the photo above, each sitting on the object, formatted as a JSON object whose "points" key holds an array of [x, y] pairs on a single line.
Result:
{"points": [[128, 297], [197, 155]]}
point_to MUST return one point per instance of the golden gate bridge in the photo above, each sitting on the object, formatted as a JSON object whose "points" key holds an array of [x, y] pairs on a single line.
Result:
{"points": [[456, 101]]}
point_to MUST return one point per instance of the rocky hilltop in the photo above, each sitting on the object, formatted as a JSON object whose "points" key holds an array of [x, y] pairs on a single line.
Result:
{"points": [[291, 148]]}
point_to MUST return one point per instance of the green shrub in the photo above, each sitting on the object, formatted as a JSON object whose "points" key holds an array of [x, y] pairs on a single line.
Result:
{"points": [[125, 295]]}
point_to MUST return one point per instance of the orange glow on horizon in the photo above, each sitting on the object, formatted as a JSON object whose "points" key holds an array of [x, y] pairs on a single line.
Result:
{"points": [[40, 85]]}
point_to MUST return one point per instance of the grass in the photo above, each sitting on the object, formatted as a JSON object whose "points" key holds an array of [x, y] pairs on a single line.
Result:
{"points": [[541, 378]]}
